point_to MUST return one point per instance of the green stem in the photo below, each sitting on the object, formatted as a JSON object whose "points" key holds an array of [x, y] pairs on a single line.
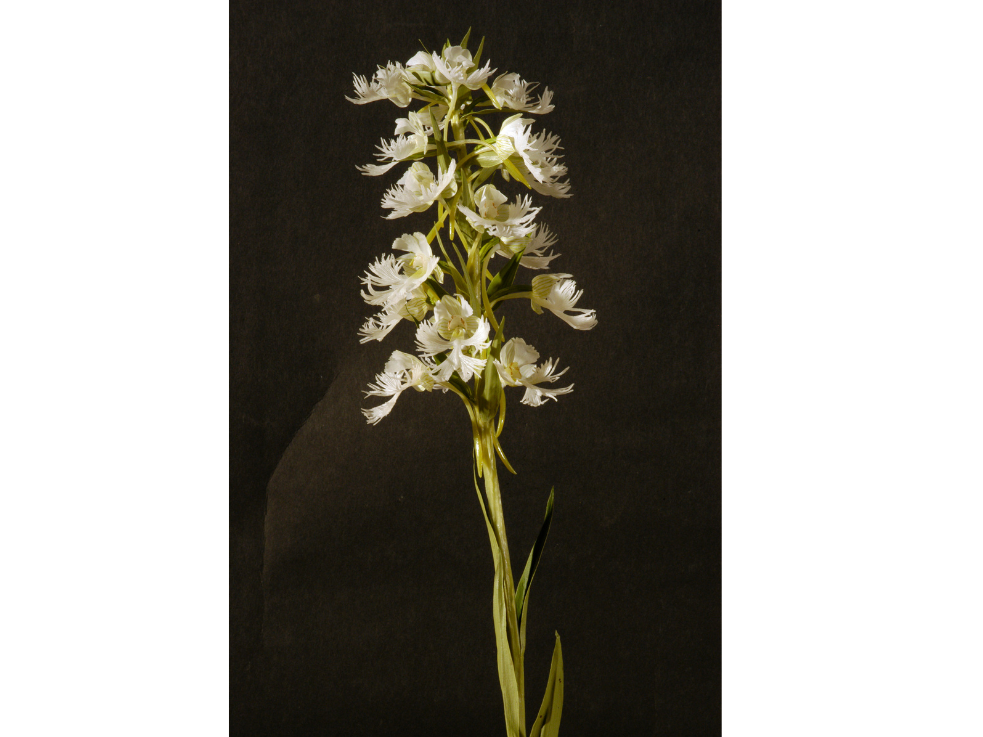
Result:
{"points": [[493, 497]]}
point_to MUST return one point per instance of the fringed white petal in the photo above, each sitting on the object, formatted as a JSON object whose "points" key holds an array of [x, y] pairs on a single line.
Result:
{"points": [[379, 326], [559, 294], [375, 170], [374, 414]]}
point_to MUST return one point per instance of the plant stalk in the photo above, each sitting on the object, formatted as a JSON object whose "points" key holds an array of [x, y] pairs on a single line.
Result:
{"points": [[493, 500]]}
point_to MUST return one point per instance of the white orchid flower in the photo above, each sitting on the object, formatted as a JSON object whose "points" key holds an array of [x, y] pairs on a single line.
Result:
{"points": [[558, 293], [516, 366], [390, 280], [507, 222], [456, 331], [412, 137], [419, 259], [531, 247], [513, 93], [396, 150], [550, 189], [534, 156], [491, 203], [402, 372], [388, 83], [417, 190], [418, 123], [421, 61], [456, 68], [414, 307]]}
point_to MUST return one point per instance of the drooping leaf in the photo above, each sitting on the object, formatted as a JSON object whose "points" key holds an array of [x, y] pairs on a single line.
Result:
{"points": [[547, 722]]}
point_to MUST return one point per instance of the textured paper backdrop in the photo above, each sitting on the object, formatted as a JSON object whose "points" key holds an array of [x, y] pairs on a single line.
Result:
{"points": [[360, 570]]}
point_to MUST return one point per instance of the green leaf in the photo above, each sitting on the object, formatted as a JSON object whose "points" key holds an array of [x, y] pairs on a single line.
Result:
{"points": [[436, 129], [491, 96], [504, 278], [459, 384], [483, 254], [443, 157], [481, 176], [515, 172], [464, 41], [547, 722], [516, 289], [506, 669], [481, 46], [532, 563], [434, 285], [490, 397]]}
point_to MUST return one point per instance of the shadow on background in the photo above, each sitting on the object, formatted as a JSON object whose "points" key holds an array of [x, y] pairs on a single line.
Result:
{"points": [[360, 578]]}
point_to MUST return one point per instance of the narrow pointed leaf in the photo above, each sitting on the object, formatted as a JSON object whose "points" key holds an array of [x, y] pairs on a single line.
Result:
{"points": [[506, 669], [515, 172], [437, 288], [506, 291], [504, 278], [487, 247], [491, 95], [532, 563], [490, 397], [547, 722]]}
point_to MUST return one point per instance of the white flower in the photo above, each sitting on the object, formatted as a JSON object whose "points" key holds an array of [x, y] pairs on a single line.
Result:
{"points": [[388, 83], [455, 67], [377, 327], [533, 155], [491, 203], [418, 123], [390, 280], [507, 222], [416, 190], [558, 293], [513, 93], [422, 61], [402, 372], [534, 245], [550, 189], [395, 150], [395, 283], [516, 366], [456, 331]]}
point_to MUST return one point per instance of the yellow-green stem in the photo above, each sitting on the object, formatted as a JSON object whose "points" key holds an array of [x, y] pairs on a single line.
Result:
{"points": [[493, 499]]}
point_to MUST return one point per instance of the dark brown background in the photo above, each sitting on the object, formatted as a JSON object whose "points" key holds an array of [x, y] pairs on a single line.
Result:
{"points": [[360, 575]]}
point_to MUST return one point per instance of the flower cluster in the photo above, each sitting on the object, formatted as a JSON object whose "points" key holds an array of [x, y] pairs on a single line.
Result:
{"points": [[452, 154]]}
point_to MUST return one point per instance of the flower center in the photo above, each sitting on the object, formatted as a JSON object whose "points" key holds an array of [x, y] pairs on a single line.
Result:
{"points": [[457, 327]]}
